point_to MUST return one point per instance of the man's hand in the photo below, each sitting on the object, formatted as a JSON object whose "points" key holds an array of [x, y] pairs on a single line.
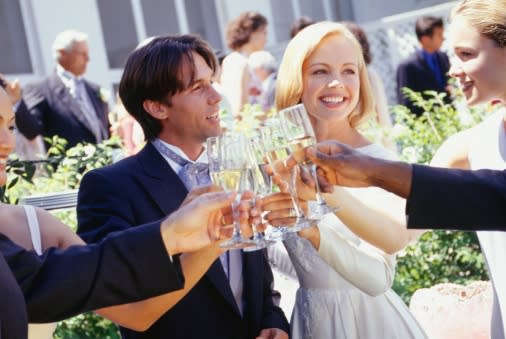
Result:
{"points": [[342, 165], [272, 333], [197, 223], [339, 164]]}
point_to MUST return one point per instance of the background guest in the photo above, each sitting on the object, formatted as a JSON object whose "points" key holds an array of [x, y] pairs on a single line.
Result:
{"points": [[382, 114], [300, 24], [245, 34], [264, 66], [427, 68], [64, 103]]}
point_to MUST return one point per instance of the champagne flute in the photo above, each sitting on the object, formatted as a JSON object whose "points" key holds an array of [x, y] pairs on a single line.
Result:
{"points": [[231, 151], [260, 183], [300, 133], [277, 148]]}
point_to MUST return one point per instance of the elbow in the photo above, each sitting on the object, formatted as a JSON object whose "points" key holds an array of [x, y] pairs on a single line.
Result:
{"points": [[139, 326], [378, 289], [132, 320]]}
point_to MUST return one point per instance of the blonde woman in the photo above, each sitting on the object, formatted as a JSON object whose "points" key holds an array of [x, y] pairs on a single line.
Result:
{"points": [[344, 281]]}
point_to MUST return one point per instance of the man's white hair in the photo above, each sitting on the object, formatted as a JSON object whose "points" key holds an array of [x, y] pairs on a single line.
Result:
{"points": [[66, 40], [263, 59]]}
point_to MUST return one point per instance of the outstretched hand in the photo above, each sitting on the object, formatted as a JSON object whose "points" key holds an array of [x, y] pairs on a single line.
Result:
{"points": [[339, 164], [197, 223]]}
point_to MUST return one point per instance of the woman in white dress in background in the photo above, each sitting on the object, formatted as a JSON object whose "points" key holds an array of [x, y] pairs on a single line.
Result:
{"points": [[245, 34], [344, 281], [478, 38]]}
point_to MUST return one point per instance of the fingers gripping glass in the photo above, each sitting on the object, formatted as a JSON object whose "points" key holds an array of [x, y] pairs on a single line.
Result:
{"points": [[228, 167], [300, 134], [260, 183]]}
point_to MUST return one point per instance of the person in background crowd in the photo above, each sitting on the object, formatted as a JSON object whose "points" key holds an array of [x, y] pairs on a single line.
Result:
{"points": [[382, 115], [65, 104], [427, 68], [126, 128], [300, 24], [245, 34], [264, 66]]}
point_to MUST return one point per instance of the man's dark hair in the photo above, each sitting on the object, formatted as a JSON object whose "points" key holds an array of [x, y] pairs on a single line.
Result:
{"points": [[299, 24], [154, 71], [239, 30], [425, 26]]}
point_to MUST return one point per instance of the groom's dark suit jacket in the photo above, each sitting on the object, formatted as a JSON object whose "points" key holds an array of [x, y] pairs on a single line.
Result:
{"points": [[47, 108], [143, 188], [60, 284], [457, 199]]}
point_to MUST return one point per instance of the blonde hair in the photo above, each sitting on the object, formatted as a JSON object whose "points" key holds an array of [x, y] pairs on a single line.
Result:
{"points": [[488, 16], [289, 85]]}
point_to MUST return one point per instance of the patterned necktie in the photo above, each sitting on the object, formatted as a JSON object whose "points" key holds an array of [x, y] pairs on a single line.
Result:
{"points": [[192, 173]]}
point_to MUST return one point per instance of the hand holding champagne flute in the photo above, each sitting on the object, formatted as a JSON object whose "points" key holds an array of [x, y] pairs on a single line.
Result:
{"points": [[300, 133], [228, 166]]}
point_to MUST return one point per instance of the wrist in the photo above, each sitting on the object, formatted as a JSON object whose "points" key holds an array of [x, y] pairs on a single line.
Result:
{"points": [[169, 237], [393, 176]]}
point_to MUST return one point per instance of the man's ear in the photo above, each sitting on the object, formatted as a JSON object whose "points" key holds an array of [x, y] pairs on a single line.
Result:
{"points": [[156, 109]]}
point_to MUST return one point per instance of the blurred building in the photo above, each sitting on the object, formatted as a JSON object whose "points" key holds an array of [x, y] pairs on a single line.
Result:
{"points": [[115, 27]]}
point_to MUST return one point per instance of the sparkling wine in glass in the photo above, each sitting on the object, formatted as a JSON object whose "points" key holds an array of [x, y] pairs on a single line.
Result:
{"points": [[299, 131], [232, 175]]}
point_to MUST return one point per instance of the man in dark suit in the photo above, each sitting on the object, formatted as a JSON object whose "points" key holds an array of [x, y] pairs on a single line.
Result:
{"points": [[167, 87], [437, 198], [427, 68], [60, 284], [65, 104]]}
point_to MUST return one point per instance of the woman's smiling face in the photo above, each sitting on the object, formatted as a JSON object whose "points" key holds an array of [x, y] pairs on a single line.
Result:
{"points": [[479, 64], [331, 82]]}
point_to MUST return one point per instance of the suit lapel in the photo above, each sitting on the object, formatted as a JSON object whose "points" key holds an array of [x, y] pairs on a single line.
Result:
{"points": [[67, 102], [160, 180], [94, 95], [168, 192], [218, 278]]}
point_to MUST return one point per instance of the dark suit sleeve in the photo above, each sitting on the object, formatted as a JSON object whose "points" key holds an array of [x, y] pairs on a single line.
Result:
{"points": [[60, 283], [273, 316], [457, 199], [102, 208], [30, 112]]}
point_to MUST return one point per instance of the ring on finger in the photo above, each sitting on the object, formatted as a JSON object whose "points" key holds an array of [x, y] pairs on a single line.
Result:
{"points": [[292, 213]]}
